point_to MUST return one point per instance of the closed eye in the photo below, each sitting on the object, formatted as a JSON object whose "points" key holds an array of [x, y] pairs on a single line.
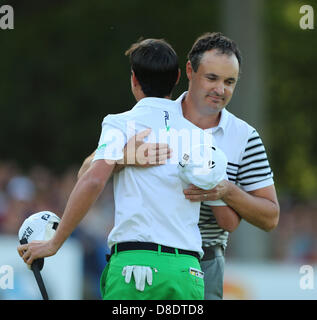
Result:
{"points": [[211, 76], [230, 81]]}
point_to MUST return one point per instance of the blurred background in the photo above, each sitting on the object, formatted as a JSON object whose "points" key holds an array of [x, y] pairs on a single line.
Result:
{"points": [[63, 69]]}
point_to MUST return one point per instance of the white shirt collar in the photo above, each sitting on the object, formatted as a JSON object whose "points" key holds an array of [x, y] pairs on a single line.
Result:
{"points": [[223, 116], [155, 102]]}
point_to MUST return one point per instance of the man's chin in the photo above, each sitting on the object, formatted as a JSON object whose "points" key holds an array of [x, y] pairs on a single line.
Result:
{"points": [[215, 103], [215, 107]]}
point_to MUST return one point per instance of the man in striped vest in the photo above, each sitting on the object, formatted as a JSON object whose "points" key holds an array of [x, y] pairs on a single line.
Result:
{"points": [[212, 70]]}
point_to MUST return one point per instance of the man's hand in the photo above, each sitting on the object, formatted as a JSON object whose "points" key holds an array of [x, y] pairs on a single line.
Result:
{"points": [[136, 153], [140, 274], [196, 194], [141, 154], [259, 207], [35, 250]]}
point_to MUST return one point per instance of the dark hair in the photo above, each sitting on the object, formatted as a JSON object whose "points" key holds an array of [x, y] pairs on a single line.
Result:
{"points": [[209, 41], [155, 64]]}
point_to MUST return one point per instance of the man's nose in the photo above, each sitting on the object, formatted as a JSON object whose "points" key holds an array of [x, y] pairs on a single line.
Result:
{"points": [[219, 89]]}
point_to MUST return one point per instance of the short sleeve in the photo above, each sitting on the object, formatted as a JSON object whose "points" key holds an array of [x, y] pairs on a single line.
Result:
{"points": [[112, 141], [254, 169]]}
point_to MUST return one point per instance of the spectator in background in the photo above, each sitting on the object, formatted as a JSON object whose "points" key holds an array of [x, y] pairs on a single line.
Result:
{"points": [[24, 193], [295, 238], [296, 234]]}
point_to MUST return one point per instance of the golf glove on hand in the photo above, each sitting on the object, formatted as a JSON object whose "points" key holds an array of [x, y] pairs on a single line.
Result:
{"points": [[140, 274]]}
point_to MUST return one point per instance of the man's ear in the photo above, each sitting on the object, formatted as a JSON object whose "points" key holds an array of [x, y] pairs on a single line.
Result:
{"points": [[189, 70], [134, 80]]}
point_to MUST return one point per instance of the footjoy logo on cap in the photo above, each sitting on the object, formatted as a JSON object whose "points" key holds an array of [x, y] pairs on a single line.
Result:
{"points": [[45, 216]]}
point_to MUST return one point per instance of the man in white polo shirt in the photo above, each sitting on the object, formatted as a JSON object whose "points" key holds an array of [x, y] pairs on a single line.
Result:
{"points": [[150, 207], [156, 236], [212, 69]]}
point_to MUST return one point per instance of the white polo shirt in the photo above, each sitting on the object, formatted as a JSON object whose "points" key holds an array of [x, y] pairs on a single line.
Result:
{"points": [[149, 202], [248, 166]]}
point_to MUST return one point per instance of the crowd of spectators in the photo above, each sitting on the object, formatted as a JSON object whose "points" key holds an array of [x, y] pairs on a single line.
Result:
{"points": [[39, 189], [295, 238], [24, 193]]}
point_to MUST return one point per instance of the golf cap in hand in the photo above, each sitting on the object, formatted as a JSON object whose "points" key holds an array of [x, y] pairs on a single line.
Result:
{"points": [[39, 226], [205, 166]]}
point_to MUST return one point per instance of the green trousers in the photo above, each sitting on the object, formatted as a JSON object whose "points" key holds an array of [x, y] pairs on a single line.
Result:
{"points": [[174, 277]]}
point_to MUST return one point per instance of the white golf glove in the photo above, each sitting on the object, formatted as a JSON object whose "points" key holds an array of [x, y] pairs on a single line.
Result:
{"points": [[140, 274]]}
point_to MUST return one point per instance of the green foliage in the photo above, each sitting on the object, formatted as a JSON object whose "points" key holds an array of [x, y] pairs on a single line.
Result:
{"points": [[291, 109], [63, 69]]}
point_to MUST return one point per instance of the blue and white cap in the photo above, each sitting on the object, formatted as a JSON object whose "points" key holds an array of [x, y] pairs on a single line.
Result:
{"points": [[204, 166]]}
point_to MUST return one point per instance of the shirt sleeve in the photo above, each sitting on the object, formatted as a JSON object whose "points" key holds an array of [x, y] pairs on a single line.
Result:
{"points": [[112, 141], [254, 169]]}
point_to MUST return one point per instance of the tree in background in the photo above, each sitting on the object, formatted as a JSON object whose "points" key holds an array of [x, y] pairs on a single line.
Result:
{"points": [[63, 69]]}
